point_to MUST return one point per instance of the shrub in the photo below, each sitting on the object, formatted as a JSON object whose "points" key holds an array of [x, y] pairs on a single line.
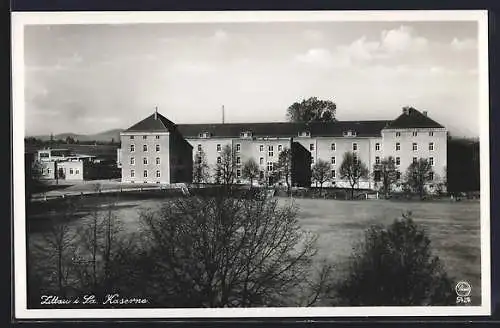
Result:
{"points": [[395, 266]]}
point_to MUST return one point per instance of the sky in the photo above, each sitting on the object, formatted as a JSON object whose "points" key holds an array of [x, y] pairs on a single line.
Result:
{"points": [[93, 78]]}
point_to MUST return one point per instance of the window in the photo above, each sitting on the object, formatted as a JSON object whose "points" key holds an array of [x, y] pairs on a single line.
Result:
{"points": [[398, 175], [157, 147], [238, 173], [377, 160], [132, 160], [304, 134], [238, 160], [398, 134], [145, 160], [77, 171], [333, 174], [70, 171], [415, 160], [398, 146], [333, 160], [132, 148], [158, 174], [355, 159], [145, 147], [431, 146], [199, 147], [431, 133], [377, 146], [132, 173], [270, 166], [144, 137], [311, 147], [312, 160], [158, 160], [261, 175], [414, 146], [131, 137], [354, 146], [431, 161], [333, 147], [204, 135], [48, 171], [414, 133], [145, 174], [157, 137], [431, 175], [219, 160], [261, 160], [349, 133], [376, 175], [219, 148], [271, 151], [398, 160], [280, 147], [261, 148], [238, 148]]}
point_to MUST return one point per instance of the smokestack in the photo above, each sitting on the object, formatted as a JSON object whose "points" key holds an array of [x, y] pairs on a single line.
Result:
{"points": [[424, 112], [156, 112], [222, 114]]}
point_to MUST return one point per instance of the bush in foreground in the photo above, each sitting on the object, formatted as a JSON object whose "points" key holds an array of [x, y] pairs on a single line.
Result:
{"points": [[395, 266]]}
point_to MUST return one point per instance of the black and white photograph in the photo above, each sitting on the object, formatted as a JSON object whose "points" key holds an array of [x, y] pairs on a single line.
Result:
{"points": [[251, 164]]}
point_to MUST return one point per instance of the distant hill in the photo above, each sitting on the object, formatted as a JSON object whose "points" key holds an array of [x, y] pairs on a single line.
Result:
{"points": [[105, 136]]}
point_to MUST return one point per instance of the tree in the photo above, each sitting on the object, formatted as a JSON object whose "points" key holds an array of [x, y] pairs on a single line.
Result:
{"points": [[250, 170], [228, 252], [201, 172], [386, 173], [312, 110], [417, 175], [225, 171], [352, 169], [394, 266], [321, 173], [284, 167]]}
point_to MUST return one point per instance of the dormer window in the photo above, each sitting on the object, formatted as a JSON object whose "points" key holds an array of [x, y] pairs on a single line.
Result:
{"points": [[246, 134], [204, 135], [349, 133], [304, 134]]}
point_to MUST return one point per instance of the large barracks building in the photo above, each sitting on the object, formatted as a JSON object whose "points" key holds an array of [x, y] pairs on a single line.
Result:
{"points": [[156, 150]]}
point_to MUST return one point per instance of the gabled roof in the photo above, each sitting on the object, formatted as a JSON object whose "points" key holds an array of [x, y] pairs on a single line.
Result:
{"points": [[412, 118], [285, 129], [153, 123]]}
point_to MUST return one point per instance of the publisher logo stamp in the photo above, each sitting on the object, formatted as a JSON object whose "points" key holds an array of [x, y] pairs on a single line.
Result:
{"points": [[463, 290]]}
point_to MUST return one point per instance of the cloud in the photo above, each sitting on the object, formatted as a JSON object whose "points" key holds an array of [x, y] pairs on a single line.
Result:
{"points": [[402, 39], [219, 36], [313, 35], [360, 49], [322, 57], [462, 45]]}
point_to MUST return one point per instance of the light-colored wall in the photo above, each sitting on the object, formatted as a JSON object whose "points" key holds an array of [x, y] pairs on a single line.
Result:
{"points": [[406, 154], [151, 141], [73, 170]]}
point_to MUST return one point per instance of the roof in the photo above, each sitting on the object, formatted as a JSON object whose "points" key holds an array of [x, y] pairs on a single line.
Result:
{"points": [[285, 129], [154, 123], [412, 118]]}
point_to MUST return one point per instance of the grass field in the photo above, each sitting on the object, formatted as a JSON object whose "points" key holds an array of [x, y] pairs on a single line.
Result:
{"points": [[454, 229]]}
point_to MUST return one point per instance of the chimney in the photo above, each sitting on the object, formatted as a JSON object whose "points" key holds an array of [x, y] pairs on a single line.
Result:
{"points": [[406, 110], [424, 112], [156, 112], [223, 114]]}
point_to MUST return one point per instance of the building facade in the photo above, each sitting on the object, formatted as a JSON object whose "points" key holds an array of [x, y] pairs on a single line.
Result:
{"points": [[62, 164], [409, 137]]}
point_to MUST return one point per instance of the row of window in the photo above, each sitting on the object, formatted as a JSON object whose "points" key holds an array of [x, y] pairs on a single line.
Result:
{"points": [[144, 174], [415, 134], [377, 146], [144, 137], [144, 148], [333, 160], [145, 161], [238, 148]]}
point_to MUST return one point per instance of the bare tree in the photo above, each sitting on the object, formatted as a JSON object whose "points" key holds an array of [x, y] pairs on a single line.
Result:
{"points": [[201, 172], [386, 173], [250, 170], [284, 167], [228, 252], [321, 173], [353, 170], [417, 175], [225, 171]]}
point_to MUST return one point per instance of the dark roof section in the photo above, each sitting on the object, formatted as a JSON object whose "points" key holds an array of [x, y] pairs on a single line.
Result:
{"points": [[152, 124], [285, 129], [413, 119]]}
